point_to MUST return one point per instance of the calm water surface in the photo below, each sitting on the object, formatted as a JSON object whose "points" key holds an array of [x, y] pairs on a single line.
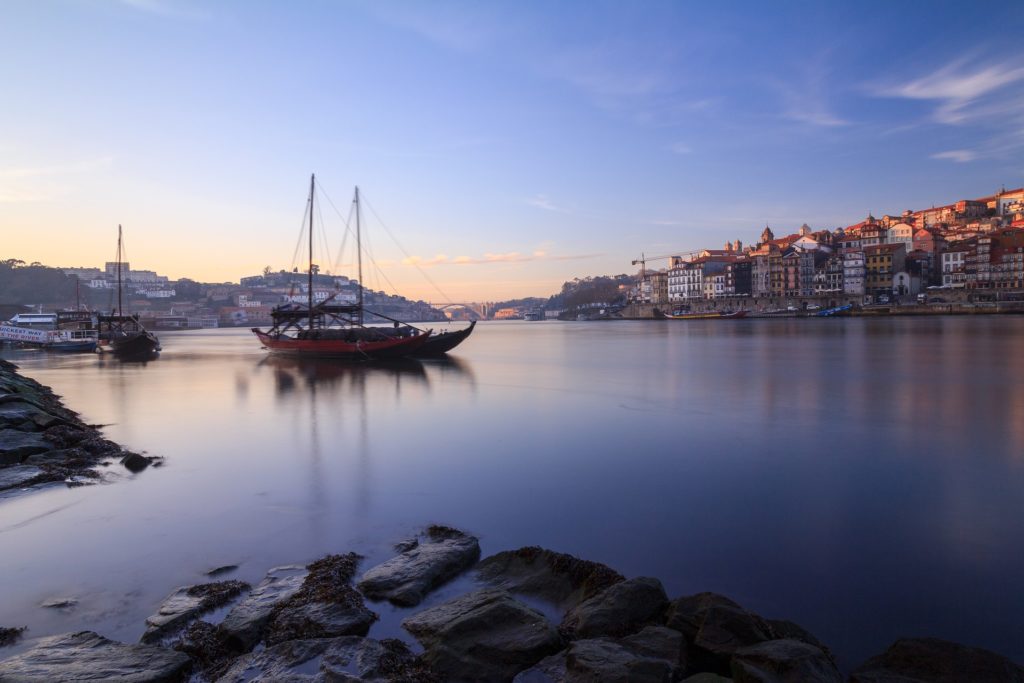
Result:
{"points": [[864, 478]]}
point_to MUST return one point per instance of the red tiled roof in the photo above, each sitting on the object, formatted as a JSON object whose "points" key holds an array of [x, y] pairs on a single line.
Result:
{"points": [[884, 247]]}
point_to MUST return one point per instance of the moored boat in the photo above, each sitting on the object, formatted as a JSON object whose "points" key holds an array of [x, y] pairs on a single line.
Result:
{"points": [[836, 310], [125, 336], [444, 342], [331, 330], [707, 315]]}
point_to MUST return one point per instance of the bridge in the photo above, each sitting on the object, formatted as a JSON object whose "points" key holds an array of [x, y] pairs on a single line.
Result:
{"points": [[480, 310]]}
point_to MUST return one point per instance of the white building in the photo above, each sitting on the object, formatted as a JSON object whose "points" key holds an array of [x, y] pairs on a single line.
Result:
{"points": [[853, 272], [901, 233], [953, 261]]}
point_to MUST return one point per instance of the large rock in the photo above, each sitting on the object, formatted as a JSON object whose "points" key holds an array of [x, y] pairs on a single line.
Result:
{"points": [[555, 577], [406, 579], [620, 609], [244, 624], [326, 659], [15, 412], [11, 634], [603, 659], [715, 627], [188, 603], [652, 654], [18, 475], [16, 445], [320, 620], [87, 656], [325, 606], [482, 636], [931, 660], [783, 661]]}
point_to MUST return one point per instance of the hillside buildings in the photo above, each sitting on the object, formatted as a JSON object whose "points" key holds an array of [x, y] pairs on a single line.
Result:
{"points": [[972, 244]]}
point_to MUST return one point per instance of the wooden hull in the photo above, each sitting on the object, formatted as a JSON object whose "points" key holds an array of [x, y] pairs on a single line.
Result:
{"points": [[446, 341], [72, 346], [138, 345], [714, 315], [340, 349]]}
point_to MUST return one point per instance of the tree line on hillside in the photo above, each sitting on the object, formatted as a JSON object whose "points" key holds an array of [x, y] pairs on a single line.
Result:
{"points": [[34, 283], [580, 293], [577, 294]]}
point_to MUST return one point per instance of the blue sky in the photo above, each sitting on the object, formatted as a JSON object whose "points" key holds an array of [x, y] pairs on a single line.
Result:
{"points": [[508, 146]]}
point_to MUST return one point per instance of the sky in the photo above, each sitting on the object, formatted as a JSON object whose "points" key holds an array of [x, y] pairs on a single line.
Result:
{"points": [[507, 147]]}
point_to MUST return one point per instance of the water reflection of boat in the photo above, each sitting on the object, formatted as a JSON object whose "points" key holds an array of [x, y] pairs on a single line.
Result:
{"points": [[291, 371]]}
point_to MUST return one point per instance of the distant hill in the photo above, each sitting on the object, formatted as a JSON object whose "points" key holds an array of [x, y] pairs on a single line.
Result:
{"points": [[601, 289], [34, 284]]}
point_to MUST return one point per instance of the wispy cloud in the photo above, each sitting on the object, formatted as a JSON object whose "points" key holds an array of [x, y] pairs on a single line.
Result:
{"points": [[961, 156], [166, 8], [680, 148], [69, 168], [956, 87], [12, 195], [23, 184], [494, 258], [806, 96], [466, 29], [542, 202]]}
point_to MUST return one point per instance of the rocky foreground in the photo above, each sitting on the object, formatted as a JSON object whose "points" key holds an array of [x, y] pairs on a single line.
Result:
{"points": [[311, 623], [41, 441]]}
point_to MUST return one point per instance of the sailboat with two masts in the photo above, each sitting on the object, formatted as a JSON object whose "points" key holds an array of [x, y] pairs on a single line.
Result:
{"points": [[335, 330], [123, 334]]}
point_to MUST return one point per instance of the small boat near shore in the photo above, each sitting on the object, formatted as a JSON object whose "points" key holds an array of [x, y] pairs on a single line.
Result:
{"points": [[706, 315], [835, 310], [125, 336]]}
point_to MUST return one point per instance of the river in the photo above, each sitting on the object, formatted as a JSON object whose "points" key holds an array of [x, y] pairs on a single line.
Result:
{"points": [[861, 477]]}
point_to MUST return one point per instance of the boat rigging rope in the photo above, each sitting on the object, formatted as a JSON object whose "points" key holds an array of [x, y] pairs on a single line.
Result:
{"points": [[445, 297], [302, 231], [348, 229]]}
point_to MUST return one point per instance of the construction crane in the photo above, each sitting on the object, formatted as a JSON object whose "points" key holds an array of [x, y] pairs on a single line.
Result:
{"points": [[644, 259]]}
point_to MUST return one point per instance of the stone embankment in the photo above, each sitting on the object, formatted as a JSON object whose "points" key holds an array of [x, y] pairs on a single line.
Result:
{"points": [[311, 624], [41, 441]]}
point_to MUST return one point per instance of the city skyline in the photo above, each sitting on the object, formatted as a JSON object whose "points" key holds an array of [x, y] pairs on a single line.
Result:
{"points": [[509, 148]]}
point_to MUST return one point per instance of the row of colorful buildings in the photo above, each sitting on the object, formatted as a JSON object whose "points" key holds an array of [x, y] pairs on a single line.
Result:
{"points": [[971, 244]]}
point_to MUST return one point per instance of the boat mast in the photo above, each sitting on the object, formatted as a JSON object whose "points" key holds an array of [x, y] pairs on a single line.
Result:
{"points": [[359, 251], [312, 181]]}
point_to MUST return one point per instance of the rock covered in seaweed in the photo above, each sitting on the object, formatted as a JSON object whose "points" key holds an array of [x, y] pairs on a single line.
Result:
{"points": [[187, 603], [325, 606]]}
